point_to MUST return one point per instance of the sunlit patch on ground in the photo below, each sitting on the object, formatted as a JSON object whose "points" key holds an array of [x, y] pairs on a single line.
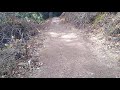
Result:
{"points": [[75, 44], [67, 40], [56, 20], [53, 34], [70, 36]]}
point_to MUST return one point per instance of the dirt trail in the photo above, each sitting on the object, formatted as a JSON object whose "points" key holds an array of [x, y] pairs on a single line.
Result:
{"points": [[68, 54]]}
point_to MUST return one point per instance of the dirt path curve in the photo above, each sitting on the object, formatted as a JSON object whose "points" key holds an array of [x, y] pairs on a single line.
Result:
{"points": [[67, 54]]}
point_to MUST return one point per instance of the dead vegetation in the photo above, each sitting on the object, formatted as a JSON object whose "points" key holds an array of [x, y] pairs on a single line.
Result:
{"points": [[19, 40], [15, 38], [101, 27]]}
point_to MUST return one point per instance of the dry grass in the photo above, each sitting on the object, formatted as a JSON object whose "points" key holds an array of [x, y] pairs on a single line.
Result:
{"points": [[17, 51]]}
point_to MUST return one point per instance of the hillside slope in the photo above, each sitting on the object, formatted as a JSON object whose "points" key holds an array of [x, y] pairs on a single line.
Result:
{"points": [[74, 45], [70, 53]]}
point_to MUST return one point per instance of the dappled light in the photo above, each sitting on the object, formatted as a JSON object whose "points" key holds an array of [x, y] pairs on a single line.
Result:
{"points": [[59, 45], [67, 40], [53, 34], [75, 44], [63, 35], [69, 35]]}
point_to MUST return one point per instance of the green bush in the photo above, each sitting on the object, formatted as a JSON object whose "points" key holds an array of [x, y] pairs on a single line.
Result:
{"points": [[99, 17], [29, 16], [35, 16]]}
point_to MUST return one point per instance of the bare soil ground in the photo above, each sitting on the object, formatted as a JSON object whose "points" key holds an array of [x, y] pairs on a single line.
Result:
{"points": [[70, 53], [62, 51]]}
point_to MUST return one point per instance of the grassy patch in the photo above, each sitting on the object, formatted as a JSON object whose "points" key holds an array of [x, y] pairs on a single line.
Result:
{"points": [[98, 18]]}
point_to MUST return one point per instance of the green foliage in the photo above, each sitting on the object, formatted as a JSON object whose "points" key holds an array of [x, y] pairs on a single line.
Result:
{"points": [[3, 17], [99, 17], [29, 16], [35, 16]]}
